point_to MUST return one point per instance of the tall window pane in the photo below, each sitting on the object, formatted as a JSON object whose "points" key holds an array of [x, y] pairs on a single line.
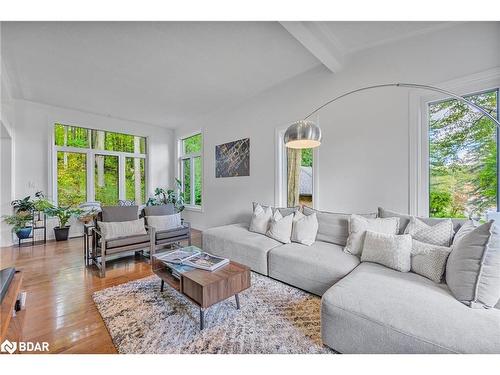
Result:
{"points": [[299, 177], [111, 141], [71, 178], [106, 179], [71, 136], [135, 178], [192, 144], [463, 158], [186, 180], [197, 181]]}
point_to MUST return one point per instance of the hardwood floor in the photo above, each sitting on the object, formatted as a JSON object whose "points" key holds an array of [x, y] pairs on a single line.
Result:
{"points": [[59, 305]]}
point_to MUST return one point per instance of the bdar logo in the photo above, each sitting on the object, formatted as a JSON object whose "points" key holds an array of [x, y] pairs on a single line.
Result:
{"points": [[8, 347]]}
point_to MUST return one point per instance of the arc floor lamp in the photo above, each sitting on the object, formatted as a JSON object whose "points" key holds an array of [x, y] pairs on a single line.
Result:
{"points": [[306, 134]]}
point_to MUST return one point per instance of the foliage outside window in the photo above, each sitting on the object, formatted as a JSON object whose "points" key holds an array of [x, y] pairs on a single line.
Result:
{"points": [[463, 152], [191, 169], [117, 166]]}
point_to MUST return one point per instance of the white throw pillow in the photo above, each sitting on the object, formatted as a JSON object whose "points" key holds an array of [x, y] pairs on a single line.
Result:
{"points": [[358, 225], [165, 222], [112, 230], [305, 228], [429, 260], [280, 228], [260, 219], [439, 234], [390, 250]]}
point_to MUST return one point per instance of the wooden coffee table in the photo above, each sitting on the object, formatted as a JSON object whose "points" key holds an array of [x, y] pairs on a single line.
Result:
{"points": [[205, 288]]}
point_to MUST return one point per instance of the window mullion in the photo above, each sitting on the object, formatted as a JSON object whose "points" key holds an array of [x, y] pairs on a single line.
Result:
{"points": [[121, 177], [90, 176], [193, 188]]}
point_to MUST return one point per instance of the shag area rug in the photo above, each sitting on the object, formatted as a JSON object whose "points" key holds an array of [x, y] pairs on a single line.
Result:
{"points": [[274, 318]]}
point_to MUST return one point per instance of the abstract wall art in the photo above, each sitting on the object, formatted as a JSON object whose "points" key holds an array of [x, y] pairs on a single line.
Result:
{"points": [[232, 159]]}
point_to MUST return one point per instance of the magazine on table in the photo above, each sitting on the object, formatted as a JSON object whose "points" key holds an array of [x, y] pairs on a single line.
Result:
{"points": [[181, 260]]}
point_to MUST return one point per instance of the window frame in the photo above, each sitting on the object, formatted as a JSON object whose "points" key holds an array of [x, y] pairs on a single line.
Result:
{"points": [[418, 128], [90, 160], [181, 157], [281, 172]]}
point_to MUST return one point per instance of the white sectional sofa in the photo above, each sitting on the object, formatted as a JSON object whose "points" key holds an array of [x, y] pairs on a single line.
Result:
{"points": [[366, 307]]}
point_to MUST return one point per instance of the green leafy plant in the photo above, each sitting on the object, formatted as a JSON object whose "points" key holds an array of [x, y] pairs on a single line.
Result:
{"points": [[23, 205], [41, 203], [173, 196], [18, 221], [63, 214]]}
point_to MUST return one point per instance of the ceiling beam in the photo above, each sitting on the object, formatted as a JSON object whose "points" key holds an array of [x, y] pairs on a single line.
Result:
{"points": [[318, 41]]}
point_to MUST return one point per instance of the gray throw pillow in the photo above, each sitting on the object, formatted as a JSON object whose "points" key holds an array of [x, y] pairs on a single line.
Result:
{"points": [[284, 211], [439, 234], [390, 250], [404, 219], [333, 227], [473, 267], [429, 260]]}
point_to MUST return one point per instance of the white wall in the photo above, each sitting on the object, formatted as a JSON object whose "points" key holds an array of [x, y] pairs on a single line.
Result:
{"points": [[31, 127], [364, 158]]}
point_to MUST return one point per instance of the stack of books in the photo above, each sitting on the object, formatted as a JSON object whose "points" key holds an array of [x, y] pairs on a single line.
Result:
{"points": [[189, 258]]}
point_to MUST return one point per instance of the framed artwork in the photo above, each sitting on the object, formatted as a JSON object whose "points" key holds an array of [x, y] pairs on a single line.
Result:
{"points": [[232, 159]]}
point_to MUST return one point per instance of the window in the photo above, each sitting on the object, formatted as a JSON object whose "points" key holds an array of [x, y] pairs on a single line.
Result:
{"points": [[463, 158], [299, 177], [190, 169], [97, 165]]}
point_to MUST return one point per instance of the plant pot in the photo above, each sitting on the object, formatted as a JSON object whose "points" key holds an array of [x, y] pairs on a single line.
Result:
{"points": [[61, 233], [23, 233]]}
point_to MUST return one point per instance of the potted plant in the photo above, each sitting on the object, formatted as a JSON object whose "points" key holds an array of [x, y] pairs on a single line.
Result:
{"points": [[162, 196], [19, 222], [63, 214], [23, 205]]}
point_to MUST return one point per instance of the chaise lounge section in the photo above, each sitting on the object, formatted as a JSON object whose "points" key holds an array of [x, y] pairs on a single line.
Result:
{"points": [[365, 307]]}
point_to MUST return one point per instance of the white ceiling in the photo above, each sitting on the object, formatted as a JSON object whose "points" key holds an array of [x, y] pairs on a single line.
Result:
{"points": [[169, 73]]}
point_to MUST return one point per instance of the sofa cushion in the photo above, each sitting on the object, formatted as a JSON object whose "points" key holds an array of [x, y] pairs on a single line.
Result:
{"points": [[333, 227], [404, 219], [378, 310], [237, 243], [125, 241], [312, 268]]}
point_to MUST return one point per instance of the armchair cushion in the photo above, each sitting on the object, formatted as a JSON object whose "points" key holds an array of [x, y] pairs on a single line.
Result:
{"points": [[125, 241], [119, 213], [165, 222], [120, 229], [172, 233], [164, 209]]}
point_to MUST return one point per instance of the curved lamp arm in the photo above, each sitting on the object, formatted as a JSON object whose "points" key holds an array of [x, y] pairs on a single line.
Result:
{"points": [[412, 85]]}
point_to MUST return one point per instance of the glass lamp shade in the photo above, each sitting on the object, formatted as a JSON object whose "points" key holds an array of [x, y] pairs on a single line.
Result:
{"points": [[303, 134]]}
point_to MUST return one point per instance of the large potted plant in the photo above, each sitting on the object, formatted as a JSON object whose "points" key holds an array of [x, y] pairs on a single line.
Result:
{"points": [[19, 222], [63, 214], [163, 196]]}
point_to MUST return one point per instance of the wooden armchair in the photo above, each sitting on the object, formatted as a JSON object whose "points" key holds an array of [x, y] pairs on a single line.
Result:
{"points": [[102, 249]]}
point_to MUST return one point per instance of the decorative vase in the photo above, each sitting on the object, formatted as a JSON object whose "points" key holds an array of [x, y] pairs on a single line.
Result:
{"points": [[61, 233], [23, 233]]}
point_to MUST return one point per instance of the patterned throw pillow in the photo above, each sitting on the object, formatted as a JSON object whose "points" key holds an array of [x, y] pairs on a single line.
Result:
{"points": [[429, 260], [439, 234], [390, 250], [358, 225], [125, 203]]}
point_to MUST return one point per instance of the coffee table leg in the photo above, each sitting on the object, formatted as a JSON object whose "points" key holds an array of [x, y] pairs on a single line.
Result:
{"points": [[237, 297], [162, 285], [202, 319]]}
